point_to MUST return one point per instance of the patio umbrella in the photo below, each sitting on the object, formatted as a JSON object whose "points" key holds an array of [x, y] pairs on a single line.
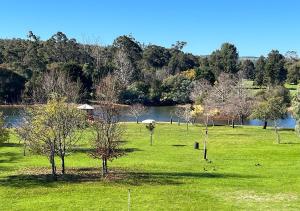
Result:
{"points": [[148, 121], [150, 127], [85, 107]]}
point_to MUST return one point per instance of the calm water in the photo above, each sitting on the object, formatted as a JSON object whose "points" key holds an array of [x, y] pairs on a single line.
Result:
{"points": [[159, 113]]}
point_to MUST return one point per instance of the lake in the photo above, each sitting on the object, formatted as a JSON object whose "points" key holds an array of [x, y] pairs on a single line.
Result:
{"points": [[159, 113]]}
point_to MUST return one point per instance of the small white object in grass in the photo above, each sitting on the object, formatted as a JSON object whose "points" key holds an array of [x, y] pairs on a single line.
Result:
{"points": [[148, 121]]}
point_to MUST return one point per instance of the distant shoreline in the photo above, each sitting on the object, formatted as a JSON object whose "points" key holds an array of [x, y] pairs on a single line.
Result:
{"points": [[93, 103], [13, 105]]}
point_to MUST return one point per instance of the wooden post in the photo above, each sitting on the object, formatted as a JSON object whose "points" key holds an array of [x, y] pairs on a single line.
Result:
{"points": [[128, 199], [205, 139], [276, 131]]}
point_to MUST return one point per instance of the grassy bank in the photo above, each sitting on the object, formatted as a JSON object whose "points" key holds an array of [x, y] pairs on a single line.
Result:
{"points": [[246, 170], [250, 85]]}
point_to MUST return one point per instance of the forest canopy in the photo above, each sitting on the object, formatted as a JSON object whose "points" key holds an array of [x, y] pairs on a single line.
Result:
{"points": [[148, 74]]}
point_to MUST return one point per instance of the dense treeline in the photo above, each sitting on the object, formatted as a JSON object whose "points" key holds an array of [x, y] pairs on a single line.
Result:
{"points": [[148, 74]]}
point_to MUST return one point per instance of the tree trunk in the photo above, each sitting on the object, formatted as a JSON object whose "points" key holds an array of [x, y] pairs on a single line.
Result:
{"points": [[62, 164], [53, 167], [187, 126], [232, 121], [103, 171], [205, 147], [151, 138], [242, 119], [24, 149], [277, 132], [205, 153], [265, 124], [171, 120], [106, 169], [178, 122], [137, 120], [205, 140]]}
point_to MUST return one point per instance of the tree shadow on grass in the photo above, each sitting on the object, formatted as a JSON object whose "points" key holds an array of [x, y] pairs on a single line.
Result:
{"points": [[291, 143], [82, 150], [173, 178], [237, 134], [179, 145], [42, 177], [129, 150], [10, 157], [89, 150], [11, 144], [7, 169], [116, 176], [286, 129]]}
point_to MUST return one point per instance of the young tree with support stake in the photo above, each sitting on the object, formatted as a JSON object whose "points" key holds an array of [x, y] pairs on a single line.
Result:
{"points": [[151, 127], [208, 112]]}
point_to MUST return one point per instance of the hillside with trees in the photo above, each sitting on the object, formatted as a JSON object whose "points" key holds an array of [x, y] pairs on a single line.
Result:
{"points": [[148, 74]]}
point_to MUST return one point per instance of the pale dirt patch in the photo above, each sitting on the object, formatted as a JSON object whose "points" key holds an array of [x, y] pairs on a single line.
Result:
{"points": [[252, 196]]}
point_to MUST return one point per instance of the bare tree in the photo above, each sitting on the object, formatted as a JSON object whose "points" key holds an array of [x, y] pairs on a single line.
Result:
{"points": [[291, 56], [4, 133], [106, 127], [172, 113], [201, 89], [107, 136], [137, 110], [185, 113], [221, 92], [177, 113], [231, 98], [58, 83], [102, 57], [25, 130], [241, 101], [124, 68]]}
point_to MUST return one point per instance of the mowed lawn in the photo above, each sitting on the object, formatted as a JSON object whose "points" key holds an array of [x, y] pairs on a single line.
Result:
{"points": [[247, 169], [249, 84]]}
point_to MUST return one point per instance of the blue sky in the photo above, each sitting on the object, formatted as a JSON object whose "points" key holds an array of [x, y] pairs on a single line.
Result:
{"points": [[255, 27]]}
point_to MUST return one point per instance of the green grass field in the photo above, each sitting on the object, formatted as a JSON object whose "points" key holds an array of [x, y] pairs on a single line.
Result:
{"points": [[249, 85], [246, 170]]}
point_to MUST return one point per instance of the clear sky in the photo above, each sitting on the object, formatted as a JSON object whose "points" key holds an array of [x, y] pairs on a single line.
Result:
{"points": [[255, 27]]}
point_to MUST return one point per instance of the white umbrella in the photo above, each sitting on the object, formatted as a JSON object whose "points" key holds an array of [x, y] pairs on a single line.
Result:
{"points": [[148, 121], [150, 127], [85, 107]]}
